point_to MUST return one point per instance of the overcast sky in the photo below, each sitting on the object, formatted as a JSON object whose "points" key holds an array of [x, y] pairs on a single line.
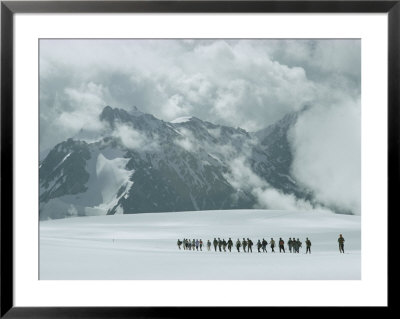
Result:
{"points": [[241, 83]]}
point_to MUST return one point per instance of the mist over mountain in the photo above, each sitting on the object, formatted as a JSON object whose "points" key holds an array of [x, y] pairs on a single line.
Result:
{"points": [[137, 163]]}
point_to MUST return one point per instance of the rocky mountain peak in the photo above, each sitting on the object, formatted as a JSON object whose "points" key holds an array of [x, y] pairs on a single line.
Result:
{"points": [[110, 115], [162, 167]]}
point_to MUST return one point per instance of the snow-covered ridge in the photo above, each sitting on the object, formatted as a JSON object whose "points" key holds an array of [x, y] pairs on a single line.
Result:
{"points": [[182, 119]]}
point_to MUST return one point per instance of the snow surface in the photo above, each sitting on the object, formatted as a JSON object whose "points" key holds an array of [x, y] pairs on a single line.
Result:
{"points": [[182, 119], [111, 175], [143, 246]]}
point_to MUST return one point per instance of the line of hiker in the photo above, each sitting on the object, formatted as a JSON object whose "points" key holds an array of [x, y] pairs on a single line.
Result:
{"points": [[246, 244], [294, 245]]}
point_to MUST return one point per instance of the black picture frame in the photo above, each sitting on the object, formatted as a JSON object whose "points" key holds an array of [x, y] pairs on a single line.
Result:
{"points": [[9, 8]]}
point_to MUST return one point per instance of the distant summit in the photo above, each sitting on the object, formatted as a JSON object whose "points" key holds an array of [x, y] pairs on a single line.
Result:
{"points": [[111, 115]]}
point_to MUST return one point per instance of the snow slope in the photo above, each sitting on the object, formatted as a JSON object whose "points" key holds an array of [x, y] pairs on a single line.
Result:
{"points": [[143, 246], [182, 119]]}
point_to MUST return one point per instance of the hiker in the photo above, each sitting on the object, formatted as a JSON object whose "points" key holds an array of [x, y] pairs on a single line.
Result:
{"points": [[219, 244], [194, 244], [259, 245], [197, 244], [224, 243], [299, 244], [264, 245], [281, 245], [215, 242], [201, 245], [230, 244], [244, 244], [249, 245], [208, 245], [308, 245], [179, 243], [272, 244], [295, 246], [238, 244], [290, 244], [341, 243]]}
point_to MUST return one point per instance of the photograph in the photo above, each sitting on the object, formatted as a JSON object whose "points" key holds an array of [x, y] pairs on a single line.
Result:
{"points": [[199, 159]]}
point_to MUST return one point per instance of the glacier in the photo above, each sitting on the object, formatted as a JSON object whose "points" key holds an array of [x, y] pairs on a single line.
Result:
{"points": [[143, 246]]}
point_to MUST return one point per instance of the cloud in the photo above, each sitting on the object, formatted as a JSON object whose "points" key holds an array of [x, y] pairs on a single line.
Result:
{"points": [[326, 142], [133, 139], [242, 178], [186, 144], [69, 110], [84, 104], [187, 141], [271, 198], [174, 107], [241, 83], [321, 59]]}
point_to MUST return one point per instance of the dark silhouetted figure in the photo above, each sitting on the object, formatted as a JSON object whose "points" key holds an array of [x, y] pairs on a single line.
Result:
{"points": [[281, 245], [264, 245], [272, 244], [290, 244], [244, 244], [230, 244], [215, 242], [249, 245], [308, 245], [259, 245], [299, 244], [224, 243], [238, 244], [341, 243]]}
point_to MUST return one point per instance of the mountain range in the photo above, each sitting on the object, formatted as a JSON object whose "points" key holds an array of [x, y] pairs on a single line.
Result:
{"points": [[138, 164]]}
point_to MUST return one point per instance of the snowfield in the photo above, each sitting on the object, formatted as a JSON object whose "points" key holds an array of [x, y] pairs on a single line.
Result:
{"points": [[143, 246]]}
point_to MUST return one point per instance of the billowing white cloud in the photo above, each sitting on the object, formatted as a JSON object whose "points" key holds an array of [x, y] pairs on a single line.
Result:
{"points": [[187, 141], [243, 178], [133, 139], [271, 198], [326, 144], [231, 82], [83, 107]]}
